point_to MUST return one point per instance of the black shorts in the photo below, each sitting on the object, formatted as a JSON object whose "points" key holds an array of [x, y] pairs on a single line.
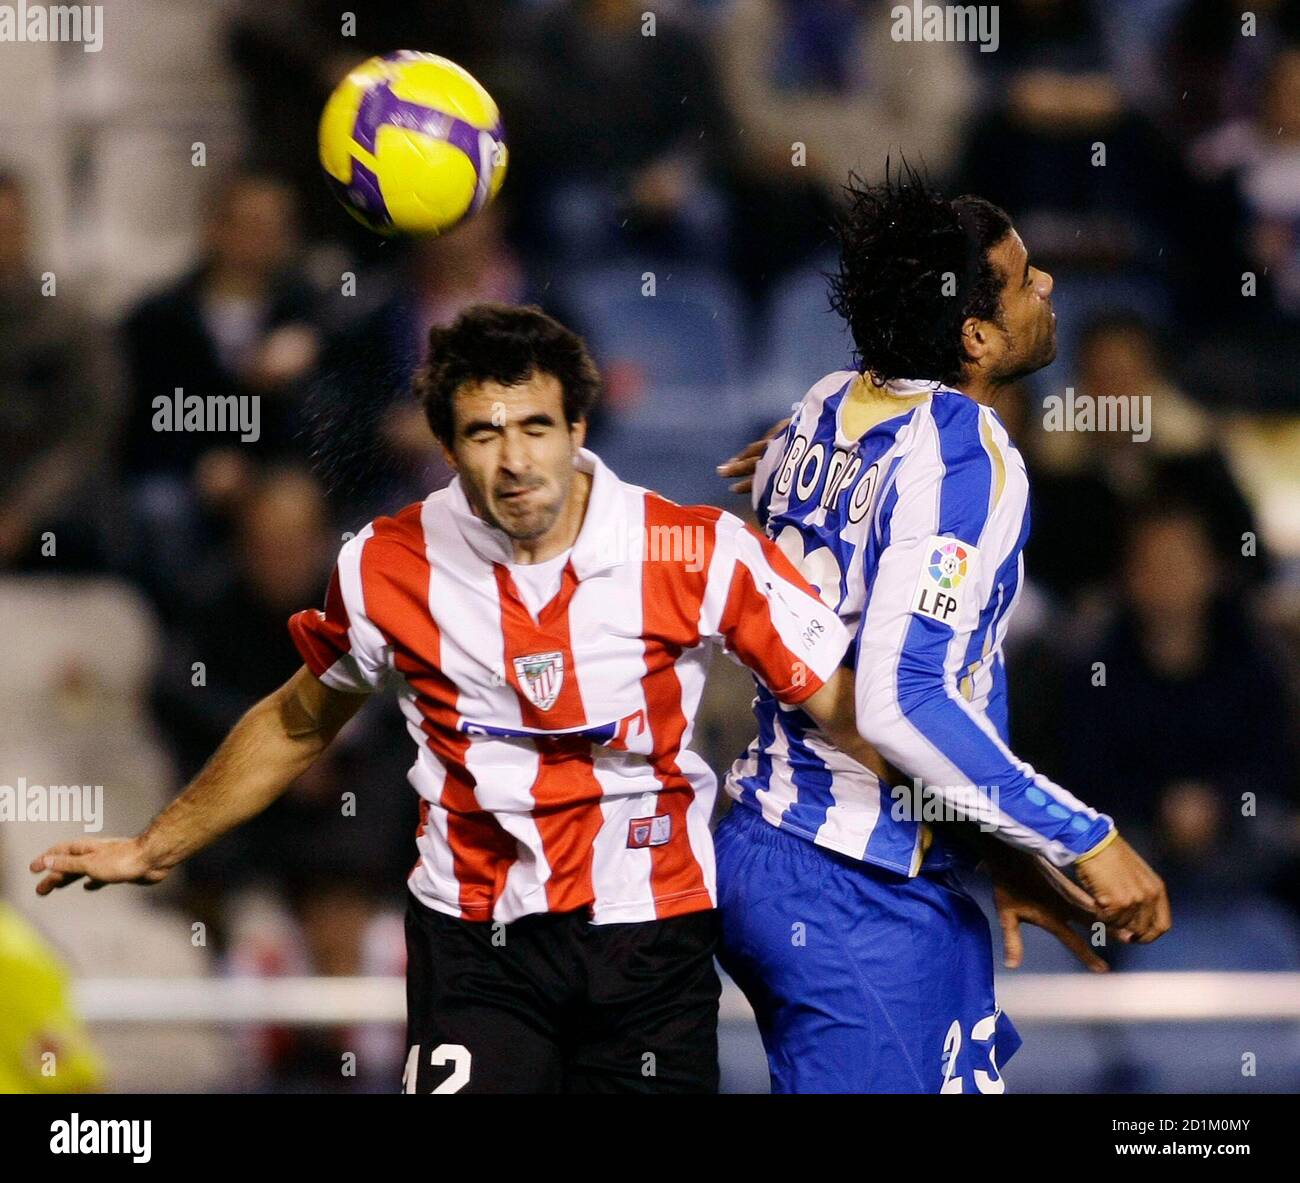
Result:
{"points": [[555, 1004]]}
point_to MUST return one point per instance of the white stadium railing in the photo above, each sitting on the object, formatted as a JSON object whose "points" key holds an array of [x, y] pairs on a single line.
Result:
{"points": [[1044, 998]]}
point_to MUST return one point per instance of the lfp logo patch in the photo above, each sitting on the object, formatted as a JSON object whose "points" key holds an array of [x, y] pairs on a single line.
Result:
{"points": [[948, 565], [944, 580]]}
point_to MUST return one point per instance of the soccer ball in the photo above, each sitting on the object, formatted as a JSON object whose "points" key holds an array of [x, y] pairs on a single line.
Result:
{"points": [[412, 144]]}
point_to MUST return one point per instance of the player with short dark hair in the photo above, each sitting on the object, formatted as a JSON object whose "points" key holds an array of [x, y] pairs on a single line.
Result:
{"points": [[503, 344], [547, 629], [898, 493]]}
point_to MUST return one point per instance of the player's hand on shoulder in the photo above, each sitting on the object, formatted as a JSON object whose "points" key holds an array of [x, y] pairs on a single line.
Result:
{"points": [[99, 861], [1131, 897], [746, 462]]}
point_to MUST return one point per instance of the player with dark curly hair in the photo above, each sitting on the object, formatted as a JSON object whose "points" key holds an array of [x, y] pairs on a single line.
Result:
{"points": [[897, 492], [914, 268]]}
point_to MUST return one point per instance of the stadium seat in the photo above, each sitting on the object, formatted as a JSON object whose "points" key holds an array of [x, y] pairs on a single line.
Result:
{"points": [[1211, 1057], [1240, 934], [676, 457], [690, 334], [105, 139], [37, 145], [147, 199], [803, 340], [189, 75], [1243, 933], [74, 707], [1058, 1059]]}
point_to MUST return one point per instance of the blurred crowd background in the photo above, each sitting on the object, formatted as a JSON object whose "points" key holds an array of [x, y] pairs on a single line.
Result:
{"points": [[169, 187]]}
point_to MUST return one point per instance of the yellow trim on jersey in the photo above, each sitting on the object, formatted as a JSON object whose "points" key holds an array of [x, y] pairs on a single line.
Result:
{"points": [[922, 847], [867, 404], [1105, 842], [967, 684], [995, 455]]}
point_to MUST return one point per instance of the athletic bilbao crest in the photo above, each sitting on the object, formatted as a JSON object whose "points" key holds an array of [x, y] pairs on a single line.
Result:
{"points": [[540, 676]]}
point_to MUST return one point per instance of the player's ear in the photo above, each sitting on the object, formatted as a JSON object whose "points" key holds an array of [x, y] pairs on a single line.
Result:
{"points": [[578, 433], [974, 338], [449, 456]]}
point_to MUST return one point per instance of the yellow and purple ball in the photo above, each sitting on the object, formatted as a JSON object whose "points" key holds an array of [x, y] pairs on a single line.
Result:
{"points": [[412, 144]]}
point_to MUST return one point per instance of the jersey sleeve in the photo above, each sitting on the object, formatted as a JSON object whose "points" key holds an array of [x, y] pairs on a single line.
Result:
{"points": [[955, 532], [771, 619], [340, 644]]}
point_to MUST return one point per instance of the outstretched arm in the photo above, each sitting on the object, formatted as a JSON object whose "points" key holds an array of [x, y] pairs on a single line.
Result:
{"points": [[1122, 891], [267, 750]]}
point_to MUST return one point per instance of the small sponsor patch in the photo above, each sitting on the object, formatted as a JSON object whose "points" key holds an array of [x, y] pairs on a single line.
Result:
{"points": [[943, 582], [649, 831]]}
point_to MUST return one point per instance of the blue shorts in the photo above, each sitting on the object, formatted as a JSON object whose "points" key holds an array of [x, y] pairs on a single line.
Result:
{"points": [[863, 981]]}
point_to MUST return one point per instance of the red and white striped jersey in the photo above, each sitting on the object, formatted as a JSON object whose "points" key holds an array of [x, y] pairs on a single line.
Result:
{"points": [[552, 762]]}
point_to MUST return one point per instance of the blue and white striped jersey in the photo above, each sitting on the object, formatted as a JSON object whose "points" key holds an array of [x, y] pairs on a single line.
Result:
{"points": [[913, 533]]}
